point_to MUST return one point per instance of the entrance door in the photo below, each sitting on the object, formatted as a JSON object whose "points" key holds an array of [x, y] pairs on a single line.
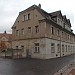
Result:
{"points": [[28, 53]]}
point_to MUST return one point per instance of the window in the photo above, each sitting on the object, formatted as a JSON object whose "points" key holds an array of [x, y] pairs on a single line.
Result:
{"points": [[58, 21], [22, 31], [25, 17], [22, 47], [37, 29], [29, 29], [52, 30], [52, 48], [62, 34], [62, 48], [58, 48], [16, 47], [66, 47], [64, 25], [36, 47], [57, 32], [68, 37], [69, 48], [28, 16], [17, 32]]}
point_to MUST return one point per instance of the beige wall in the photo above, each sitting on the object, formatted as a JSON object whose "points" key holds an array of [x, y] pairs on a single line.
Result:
{"points": [[43, 37]]}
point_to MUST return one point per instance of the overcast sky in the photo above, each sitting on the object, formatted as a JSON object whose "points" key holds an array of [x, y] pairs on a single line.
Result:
{"points": [[9, 10]]}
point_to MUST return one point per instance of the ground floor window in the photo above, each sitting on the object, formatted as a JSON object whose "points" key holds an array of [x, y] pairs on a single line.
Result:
{"points": [[58, 48], [52, 48], [69, 48], [22, 47], [66, 47], [16, 47], [62, 48], [37, 49]]}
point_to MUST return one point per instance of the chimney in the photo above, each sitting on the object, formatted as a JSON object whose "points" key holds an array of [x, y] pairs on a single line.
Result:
{"points": [[5, 32], [39, 6]]}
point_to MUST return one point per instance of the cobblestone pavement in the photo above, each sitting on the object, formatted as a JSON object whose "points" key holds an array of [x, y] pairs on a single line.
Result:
{"points": [[33, 66]]}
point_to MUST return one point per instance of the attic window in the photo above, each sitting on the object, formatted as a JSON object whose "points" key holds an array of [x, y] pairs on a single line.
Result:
{"points": [[26, 17], [52, 30]]}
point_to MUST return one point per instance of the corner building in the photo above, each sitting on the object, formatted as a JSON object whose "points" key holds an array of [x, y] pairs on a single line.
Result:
{"points": [[43, 35]]}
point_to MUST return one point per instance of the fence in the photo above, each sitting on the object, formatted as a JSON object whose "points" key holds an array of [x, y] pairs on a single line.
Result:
{"points": [[11, 53]]}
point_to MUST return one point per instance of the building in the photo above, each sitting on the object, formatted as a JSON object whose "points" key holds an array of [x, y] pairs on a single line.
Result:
{"points": [[43, 35], [5, 41]]}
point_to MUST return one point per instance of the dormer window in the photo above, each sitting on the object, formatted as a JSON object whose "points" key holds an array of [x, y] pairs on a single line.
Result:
{"points": [[52, 30]]}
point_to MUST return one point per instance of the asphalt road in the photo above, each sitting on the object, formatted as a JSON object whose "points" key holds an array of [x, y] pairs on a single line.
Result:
{"points": [[33, 66]]}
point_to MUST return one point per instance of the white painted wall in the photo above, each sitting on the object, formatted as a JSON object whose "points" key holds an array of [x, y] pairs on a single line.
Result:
{"points": [[45, 48]]}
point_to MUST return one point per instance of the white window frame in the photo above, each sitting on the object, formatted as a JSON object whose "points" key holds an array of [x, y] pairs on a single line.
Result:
{"points": [[37, 48], [52, 48], [22, 31], [58, 48]]}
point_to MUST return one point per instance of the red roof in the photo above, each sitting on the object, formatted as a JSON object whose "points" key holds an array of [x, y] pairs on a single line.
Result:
{"points": [[8, 36]]}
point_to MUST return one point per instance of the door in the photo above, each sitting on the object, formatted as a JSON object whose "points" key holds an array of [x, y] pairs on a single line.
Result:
{"points": [[28, 53]]}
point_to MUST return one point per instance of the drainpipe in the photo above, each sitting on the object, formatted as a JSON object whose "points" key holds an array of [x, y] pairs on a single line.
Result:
{"points": [[60, 45]]}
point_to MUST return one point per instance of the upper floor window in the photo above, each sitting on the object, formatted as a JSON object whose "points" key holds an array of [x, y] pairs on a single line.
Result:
{"points": [[29, 29], [64, 25], [17, 32], [37, 29], [52, 30], [68, 37], [22, 31], [58, 33], [37, 48], [26, 17], [62, 34], [52, 48]]}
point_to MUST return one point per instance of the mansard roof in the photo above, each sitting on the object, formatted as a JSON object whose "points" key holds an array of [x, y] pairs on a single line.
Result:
{"points": [[56, 25], [66, 20], [48, 15], [56, 13]]}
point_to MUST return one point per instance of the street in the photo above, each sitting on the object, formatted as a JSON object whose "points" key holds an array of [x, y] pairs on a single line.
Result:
{"points": [[30, 66]]}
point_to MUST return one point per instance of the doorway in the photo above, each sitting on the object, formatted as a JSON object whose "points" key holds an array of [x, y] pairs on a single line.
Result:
{"points": [[28, 53]]}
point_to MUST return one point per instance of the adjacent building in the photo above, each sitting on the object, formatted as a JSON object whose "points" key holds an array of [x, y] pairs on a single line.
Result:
{"points": [[5, 41], [43, 35]]}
